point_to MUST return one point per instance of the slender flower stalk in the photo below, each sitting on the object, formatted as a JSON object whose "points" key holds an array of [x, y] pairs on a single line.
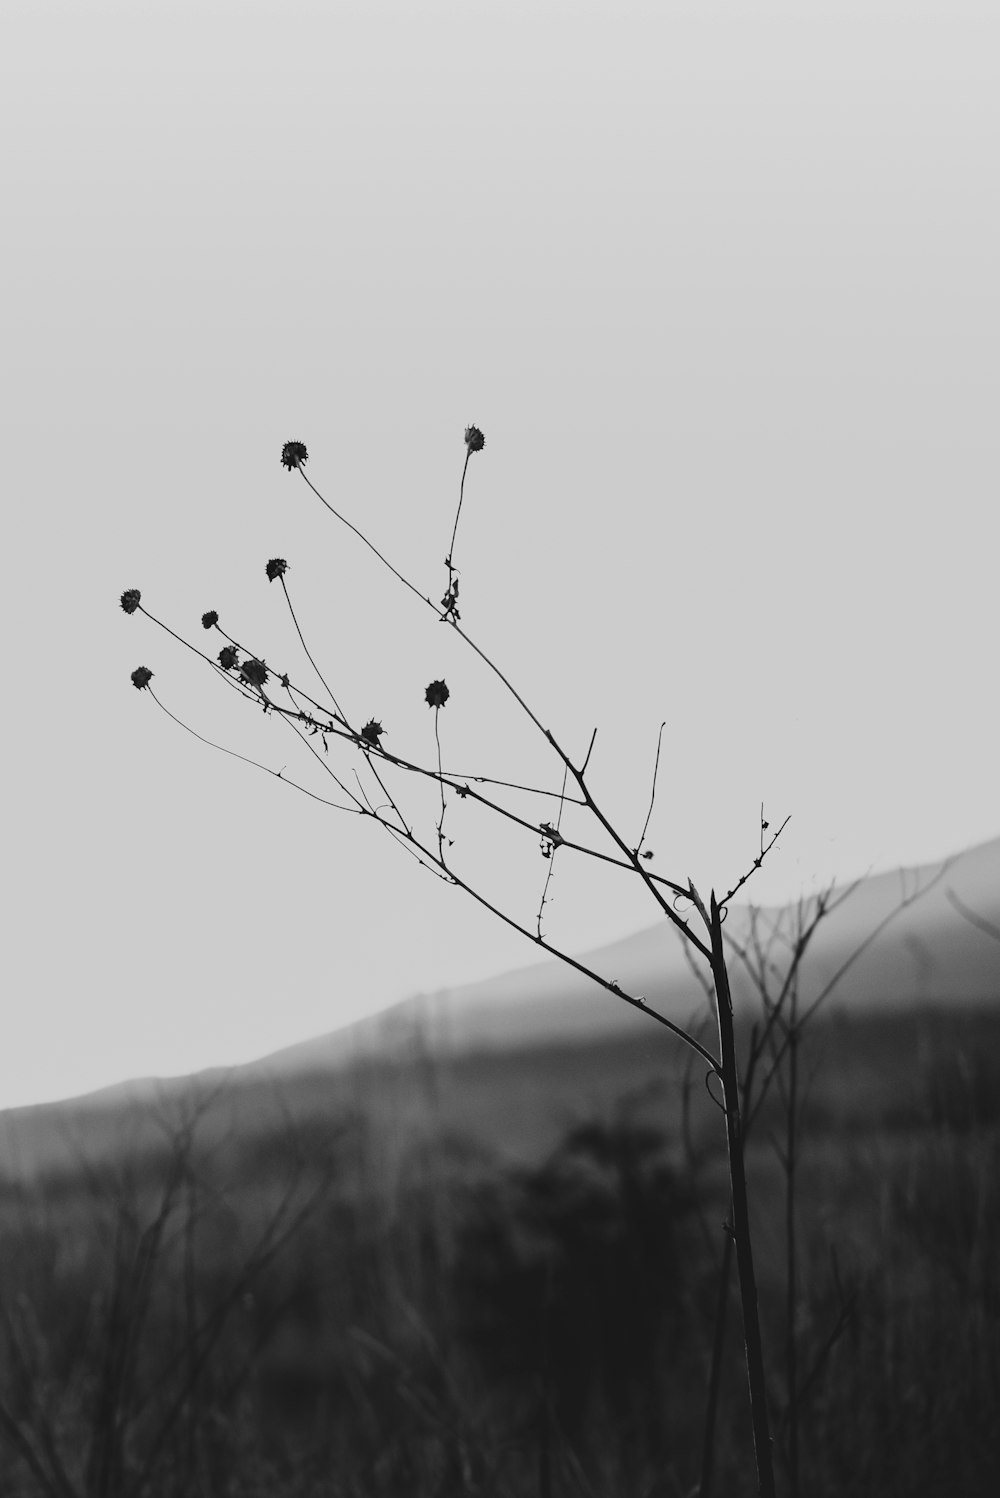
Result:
{"points": [[436, 695], [305, 647], [474, 443], [664, 905]]}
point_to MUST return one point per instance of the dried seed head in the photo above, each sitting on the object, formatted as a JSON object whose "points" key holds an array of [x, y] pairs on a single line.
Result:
{"points": [[372, 732], [141, 677], [437, 694], [293, 455], [210, 619], [276, 567], [254, 672], [130, 600], [228, 657], [474, 439]]}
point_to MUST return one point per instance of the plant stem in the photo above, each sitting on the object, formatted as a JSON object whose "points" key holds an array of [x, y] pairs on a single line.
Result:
{"points": [[741, 1214], [715, 1373], [791, 1248]]}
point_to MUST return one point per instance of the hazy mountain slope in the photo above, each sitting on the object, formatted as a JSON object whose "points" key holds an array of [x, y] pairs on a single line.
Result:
{"points": [[538, 1030], [929, 953]]}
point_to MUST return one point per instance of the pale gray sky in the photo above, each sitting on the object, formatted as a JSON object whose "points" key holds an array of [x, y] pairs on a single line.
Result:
{"points": [[717, 281]]}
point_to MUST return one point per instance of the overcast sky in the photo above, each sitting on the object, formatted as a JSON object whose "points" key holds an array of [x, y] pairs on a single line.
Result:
{"points": [[718, 282]]}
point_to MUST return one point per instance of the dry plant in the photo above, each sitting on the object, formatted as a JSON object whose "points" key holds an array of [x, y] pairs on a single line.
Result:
{"points": [[125, 1336], [370, 791], [772, 956]]}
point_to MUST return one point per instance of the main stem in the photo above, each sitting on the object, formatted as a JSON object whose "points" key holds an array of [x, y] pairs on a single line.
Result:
{"points": [[741, 1214], [791, 1247]]}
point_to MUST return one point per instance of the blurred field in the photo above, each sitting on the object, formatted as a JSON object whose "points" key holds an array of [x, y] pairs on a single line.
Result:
{"points": [[499, 1275]]}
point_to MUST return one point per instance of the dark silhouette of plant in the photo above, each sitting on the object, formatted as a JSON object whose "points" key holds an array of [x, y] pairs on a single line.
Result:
{"points": [[775, 1092], [372, 791], [145, 1346]]}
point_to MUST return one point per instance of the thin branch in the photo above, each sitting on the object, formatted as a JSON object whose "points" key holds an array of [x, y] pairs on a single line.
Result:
{"points": [[437, 740], [305, 647], [590, 750], [757, 861], [630, 855], [278, 774], [179, 638], [552, 846], [367, 751], [611, 985], [463, 790], [671, 915], [322, 761], [362, 537], [404, 839], [512, 785], [652, 794], [424, 599], [904, 904], [283, 677], [296, 716], [979, 921], [450, 600]]}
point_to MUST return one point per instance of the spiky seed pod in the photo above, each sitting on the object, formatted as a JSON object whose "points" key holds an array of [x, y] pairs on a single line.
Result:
{"points": [[228, 658], [437, 694], [293, 455], [372, 732], [474, 439], [210, 619], [130, 600], [254, 672], [141, 677], [276, 567]]}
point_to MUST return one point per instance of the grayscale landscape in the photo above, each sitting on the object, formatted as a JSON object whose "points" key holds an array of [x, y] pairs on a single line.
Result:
{"points": [[501, 943], [342, 1259]]}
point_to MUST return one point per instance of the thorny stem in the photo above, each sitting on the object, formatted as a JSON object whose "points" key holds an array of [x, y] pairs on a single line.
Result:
{"points": [[764, 851]]}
